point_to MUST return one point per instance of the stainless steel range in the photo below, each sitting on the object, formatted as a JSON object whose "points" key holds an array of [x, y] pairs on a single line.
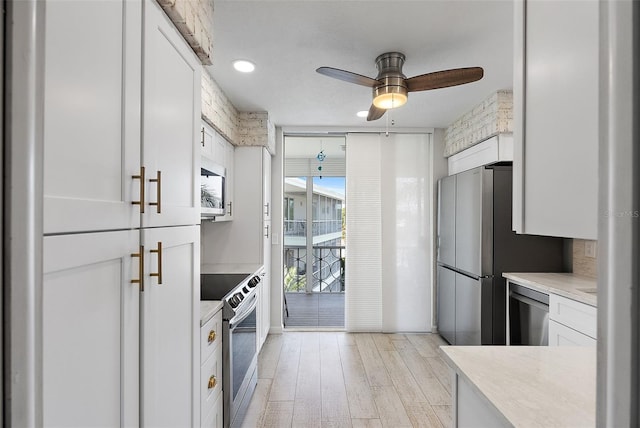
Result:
{"points": [[238, 293]]}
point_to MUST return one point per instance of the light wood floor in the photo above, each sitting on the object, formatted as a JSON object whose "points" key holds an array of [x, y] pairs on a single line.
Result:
{"points": [[337, 379]]}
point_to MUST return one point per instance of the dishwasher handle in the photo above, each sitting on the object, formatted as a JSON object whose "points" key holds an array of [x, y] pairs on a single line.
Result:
{"points": [[529, 301]]}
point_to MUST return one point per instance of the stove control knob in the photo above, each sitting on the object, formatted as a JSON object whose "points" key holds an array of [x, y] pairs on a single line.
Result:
{"points": [[233, 302]]}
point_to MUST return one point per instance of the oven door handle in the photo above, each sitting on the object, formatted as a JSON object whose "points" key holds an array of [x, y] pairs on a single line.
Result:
{"points": [[233, 322]]}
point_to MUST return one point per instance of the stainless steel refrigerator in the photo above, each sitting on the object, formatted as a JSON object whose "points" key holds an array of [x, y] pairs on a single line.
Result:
{"points": [[475, 246]]}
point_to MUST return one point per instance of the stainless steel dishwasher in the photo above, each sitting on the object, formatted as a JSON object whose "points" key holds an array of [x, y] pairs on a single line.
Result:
{"points": [[528, 316]]}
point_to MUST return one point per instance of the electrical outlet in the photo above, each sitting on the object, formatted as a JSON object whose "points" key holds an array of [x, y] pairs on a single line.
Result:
{"points": [[590, 249]]}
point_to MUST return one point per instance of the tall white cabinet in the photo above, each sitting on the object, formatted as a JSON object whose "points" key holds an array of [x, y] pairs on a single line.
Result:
{"points": [[121, 246], [556, 118], [247, 239]]}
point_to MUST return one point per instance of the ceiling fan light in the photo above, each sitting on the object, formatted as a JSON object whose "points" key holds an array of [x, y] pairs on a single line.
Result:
{"points": [[389, 96], [389, 100]]}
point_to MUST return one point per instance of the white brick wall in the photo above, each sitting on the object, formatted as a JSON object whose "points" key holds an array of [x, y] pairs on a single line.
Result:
{"points": [[240, 128], [492, 116], [217, 110], [194, 20], [256, 129]]}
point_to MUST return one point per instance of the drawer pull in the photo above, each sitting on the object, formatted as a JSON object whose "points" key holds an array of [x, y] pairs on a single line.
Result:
{"points": [[212, 382], [212, 336]]}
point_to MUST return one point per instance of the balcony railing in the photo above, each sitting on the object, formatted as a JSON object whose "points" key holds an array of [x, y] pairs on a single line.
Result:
{"points": [[319, 227], [327, 273]]}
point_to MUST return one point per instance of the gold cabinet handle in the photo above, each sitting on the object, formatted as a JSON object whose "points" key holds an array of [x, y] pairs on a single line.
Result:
{"points": [[230, 207], [212, 336], [212, 382], [159, 273], [140, 256], [266, 209], [157, 180], [141, 178], [202, 139], [266, 228]]}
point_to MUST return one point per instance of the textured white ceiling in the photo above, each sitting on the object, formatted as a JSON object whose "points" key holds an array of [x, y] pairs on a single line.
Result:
{"points": [[288, 40]]}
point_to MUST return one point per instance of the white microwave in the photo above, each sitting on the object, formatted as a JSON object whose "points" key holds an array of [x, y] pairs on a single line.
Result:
{"points": [[212, 189]]}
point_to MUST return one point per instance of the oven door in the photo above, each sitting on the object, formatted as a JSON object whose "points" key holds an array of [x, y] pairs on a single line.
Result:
{"points": [[241, 361]]}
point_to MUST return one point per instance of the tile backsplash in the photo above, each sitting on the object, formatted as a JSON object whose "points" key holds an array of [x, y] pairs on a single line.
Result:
{"points": [[585, 257]]}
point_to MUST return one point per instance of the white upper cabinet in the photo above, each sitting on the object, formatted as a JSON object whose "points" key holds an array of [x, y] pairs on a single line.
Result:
{"points": [[91, 115], [221, 152], [206, 140], [170, 124], [242, 240], [556, 118], [230, 152]]}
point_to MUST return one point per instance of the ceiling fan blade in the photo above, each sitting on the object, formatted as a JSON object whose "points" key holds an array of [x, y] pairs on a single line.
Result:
{"points": [[348, 76], [375, 113], [444, 79]]}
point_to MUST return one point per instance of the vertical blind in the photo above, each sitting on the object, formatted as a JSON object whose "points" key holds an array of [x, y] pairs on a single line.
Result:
{"points": [[389, 239], [363, 274]]}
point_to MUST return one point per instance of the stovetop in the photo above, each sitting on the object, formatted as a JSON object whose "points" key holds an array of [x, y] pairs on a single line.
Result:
{"points": [[232, 289], [215, 286]]}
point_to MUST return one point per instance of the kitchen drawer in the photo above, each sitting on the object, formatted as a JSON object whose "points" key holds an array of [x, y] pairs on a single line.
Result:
{"points": [[577, 315], [210, 336], [214, 415], [211, 379], [561, 335]]}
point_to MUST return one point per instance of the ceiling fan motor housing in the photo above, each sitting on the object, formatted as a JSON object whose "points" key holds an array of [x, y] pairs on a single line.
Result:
{"points": [[393, 91]]}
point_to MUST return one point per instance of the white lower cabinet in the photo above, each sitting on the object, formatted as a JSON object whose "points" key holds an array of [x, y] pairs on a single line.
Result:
{"points": [[114, 355], [561, 335], [90, 338], [211, 372], [170, 327], [571, 323]]}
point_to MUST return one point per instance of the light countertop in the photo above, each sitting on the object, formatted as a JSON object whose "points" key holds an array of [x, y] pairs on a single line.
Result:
{"points": [[208, 309], [564, 284], [531, 386]]}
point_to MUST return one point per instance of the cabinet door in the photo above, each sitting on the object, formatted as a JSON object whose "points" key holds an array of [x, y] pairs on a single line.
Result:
{"points": [[265, 288], [266, 183], [206, 140], [90, 338], [230, 166], [446, 298], [556, 119], [170, 360], [469, 226], [447, 221], [91, 115], [171, 123], [468, 310], [240, 240], [219, 149], [561, 335]]}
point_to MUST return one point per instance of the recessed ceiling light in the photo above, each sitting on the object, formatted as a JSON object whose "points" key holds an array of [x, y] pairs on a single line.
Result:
{"points": [[244, 66], [363, 113]]}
